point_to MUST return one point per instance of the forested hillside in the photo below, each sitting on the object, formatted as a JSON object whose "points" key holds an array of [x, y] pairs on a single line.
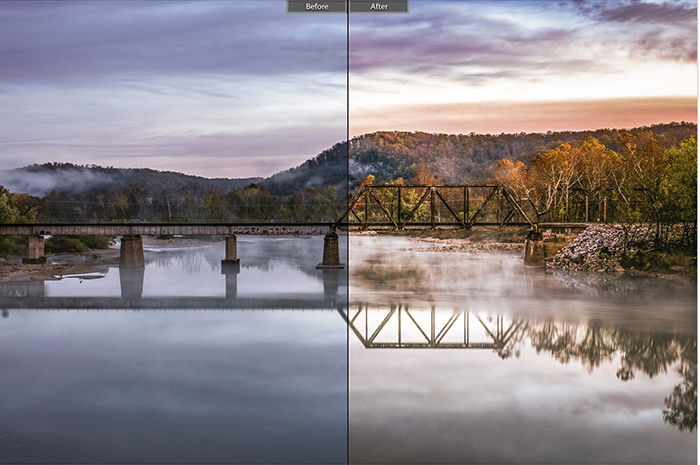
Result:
{"points": [[452, 158]]}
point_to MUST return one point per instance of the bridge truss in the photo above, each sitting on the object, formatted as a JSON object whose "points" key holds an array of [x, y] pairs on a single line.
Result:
{"points": [[400, 207]]}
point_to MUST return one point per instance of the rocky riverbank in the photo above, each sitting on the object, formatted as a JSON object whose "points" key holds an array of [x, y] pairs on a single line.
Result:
{"points": [[620, 249]]}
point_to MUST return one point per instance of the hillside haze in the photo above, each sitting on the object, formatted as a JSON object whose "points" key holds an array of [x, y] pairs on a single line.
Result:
{"points": [[67, 178], [386, 155]]}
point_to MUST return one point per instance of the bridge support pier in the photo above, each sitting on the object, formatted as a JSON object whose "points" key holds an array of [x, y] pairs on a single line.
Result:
{"points": [[331, 252], [231, 259], [131, 252], [534, 249], [35, 250]]}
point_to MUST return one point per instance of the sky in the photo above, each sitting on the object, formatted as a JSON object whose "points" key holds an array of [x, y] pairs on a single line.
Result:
{"points": [[228, 88], [512, 66], [239, 88]]}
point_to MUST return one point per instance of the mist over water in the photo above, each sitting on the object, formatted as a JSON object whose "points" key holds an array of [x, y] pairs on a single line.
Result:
{"points": [[473, 358]]}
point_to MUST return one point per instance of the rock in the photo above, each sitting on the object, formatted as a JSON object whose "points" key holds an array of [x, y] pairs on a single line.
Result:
{"points": [[600, 248]]}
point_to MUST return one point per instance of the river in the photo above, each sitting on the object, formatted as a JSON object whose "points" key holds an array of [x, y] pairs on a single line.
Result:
{"points": [[494, 362]]}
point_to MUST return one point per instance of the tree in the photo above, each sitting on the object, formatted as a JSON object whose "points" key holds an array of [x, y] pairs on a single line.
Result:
{"points": [[679, 183], [9, 213], [423, 175], [214, 205]]}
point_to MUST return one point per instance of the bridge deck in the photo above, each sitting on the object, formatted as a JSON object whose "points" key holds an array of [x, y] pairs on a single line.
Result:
{"points": [[225, 229], [161, 229]]}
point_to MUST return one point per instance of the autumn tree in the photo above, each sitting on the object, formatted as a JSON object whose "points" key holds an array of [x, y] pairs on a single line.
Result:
{"points": [[423, 175]]}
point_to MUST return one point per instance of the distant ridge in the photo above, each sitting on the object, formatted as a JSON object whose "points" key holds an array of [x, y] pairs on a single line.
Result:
{"points": [[68, 178]]}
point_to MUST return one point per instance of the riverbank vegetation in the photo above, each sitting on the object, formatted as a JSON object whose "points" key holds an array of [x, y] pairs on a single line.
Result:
{"points": [[23, 208], [647, 191]]}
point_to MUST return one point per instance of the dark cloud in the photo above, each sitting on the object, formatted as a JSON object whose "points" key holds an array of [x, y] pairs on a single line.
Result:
{"points": [[659, 43], [654, 13]]}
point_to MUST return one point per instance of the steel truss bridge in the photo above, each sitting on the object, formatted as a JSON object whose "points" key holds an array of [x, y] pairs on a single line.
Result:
{"points": [[401, 207], [380, 207]]}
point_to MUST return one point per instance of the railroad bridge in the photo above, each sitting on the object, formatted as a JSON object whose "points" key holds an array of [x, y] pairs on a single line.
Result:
{"points": [[379, 208]]}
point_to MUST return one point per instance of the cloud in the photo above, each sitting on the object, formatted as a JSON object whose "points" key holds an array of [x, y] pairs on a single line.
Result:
{"points": [[654, 13], [470, 40], [84, 41], [460, 41]]}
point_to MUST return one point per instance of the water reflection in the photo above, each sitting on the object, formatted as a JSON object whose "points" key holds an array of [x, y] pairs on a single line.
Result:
{"points": [[650, 353], [131, 281], [472, 358], [185, 386], [32, 294]]}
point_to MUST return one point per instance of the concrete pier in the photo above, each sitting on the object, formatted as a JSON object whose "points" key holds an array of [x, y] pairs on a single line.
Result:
{"points": [[35, 250], [331, 252], [131, 252], [231, 258], [534, 249]]}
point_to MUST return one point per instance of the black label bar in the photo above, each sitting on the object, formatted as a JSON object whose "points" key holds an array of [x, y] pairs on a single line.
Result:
{"points": [[319, 6], [339, 6], [386, 6]]}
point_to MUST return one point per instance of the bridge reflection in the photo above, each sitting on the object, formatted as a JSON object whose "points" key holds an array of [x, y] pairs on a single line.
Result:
{"points": [[32, 295], [651, 352], [400, 327]]}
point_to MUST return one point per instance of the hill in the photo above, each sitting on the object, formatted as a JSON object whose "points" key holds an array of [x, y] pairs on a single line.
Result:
{"points": [[453, 158]]}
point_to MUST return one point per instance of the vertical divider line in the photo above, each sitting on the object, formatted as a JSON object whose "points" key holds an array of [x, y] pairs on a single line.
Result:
{"points": [[347, 229]]}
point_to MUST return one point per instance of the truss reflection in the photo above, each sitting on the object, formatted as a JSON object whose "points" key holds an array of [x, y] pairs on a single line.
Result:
{"points": [[400, 327]]}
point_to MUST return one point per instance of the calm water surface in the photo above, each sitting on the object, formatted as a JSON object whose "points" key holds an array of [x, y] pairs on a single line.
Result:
{"points": [[180, 386], [472, 358]]}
